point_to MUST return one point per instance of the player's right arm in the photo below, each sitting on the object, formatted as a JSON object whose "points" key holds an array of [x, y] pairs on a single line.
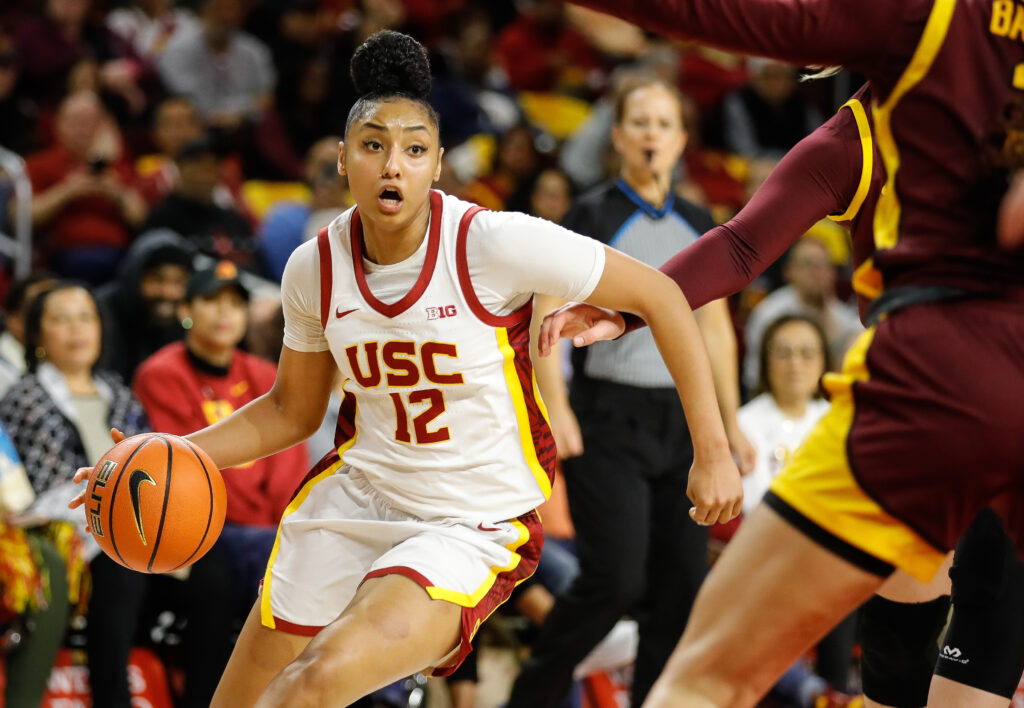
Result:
{"points": [[631, 286], [819, 177], [520, 255], [284, 416], [295, 405]]}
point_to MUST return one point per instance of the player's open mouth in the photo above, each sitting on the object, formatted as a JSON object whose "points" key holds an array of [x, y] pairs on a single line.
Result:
{"points": [[390, 200]]}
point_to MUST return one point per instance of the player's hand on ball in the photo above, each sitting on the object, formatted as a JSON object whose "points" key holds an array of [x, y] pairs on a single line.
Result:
{"points": [[584, 323], [715, 490], [82, 475], [155, 502]]}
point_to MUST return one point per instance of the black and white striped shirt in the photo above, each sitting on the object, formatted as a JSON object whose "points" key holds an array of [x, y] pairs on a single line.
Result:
{"points": [[616, 215]]}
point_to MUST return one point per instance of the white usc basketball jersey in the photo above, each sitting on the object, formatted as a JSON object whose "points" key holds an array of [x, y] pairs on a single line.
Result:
{"points": [[442, 414]]}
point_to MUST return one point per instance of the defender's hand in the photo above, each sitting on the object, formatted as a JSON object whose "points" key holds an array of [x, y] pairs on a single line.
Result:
{"points": [[584, 323]]}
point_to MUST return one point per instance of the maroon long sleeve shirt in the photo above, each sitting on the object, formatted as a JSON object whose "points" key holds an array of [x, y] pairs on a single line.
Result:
{"points": [[948, 80]]}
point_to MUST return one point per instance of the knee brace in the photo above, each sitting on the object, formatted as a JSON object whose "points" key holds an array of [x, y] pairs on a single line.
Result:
{"points": [[899, 649]]}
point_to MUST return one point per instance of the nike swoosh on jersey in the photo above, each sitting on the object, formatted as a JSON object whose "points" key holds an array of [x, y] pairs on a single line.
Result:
{"points": [[484, 528], [134, 482], [339, 314]]}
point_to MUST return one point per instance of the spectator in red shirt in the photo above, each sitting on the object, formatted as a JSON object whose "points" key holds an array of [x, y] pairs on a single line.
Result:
{"points": [[84, 204], [189, 385], [539, 52]]}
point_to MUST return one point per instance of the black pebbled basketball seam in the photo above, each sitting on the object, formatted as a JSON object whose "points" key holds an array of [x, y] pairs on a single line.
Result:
{"points": [[209, 515], [113, 496], [167, 494]]}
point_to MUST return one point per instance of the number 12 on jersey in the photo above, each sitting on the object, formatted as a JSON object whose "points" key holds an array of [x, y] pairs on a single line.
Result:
{"points": [[434, 398]]}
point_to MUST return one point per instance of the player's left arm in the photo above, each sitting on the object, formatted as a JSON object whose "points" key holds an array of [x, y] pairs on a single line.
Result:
{"points": [[627, 285], [284, 416], [512, 256]]}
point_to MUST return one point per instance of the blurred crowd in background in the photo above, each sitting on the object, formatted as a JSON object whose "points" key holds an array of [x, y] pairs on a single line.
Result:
{"points": [[178, 152]]}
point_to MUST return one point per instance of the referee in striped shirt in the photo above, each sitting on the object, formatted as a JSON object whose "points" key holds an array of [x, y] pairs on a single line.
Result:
{"points": [[627, 456]]}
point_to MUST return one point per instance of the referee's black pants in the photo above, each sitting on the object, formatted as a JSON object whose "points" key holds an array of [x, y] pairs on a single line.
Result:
{"points": [[639, 551]]}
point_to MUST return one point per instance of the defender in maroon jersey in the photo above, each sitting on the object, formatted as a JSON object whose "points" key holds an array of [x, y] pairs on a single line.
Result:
{"points": [[924, 429], [835, 171]]}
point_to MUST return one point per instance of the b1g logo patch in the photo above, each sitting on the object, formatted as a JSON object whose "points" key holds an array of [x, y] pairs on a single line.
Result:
{"points": [[439, 313], [96, 500]]}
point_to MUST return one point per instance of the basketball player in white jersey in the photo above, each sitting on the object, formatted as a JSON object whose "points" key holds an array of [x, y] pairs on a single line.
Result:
{"points": [[403, 540]]}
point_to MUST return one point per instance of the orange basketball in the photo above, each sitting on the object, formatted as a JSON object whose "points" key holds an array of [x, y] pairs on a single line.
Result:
{"points": [[155, 503]]}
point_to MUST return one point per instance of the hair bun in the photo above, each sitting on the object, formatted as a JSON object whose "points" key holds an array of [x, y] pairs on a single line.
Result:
{"points": [[390, 63]]}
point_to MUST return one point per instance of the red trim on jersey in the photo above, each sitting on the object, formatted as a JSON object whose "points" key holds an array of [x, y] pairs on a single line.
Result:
{"points": [[466, 284], [543, 439], [504, 584], [346, 427], [326, 276], [344, 431], [418, 288]]}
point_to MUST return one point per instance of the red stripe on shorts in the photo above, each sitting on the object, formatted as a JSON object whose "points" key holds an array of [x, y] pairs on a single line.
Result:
{"points": [[504, 584], [408, 572], [302, 630], [344, 431]]}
